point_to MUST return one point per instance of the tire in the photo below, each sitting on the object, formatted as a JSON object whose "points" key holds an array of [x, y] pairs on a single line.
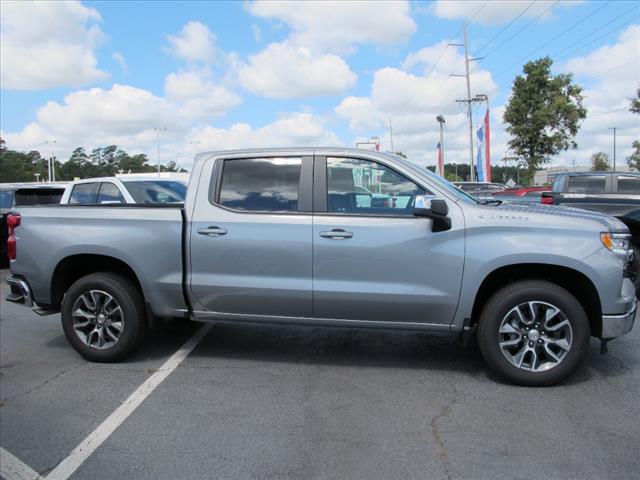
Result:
{"points": [[565, 334], [112, 335]]}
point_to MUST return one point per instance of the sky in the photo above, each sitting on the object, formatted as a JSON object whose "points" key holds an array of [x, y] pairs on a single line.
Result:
{"points": [[226, 75]]}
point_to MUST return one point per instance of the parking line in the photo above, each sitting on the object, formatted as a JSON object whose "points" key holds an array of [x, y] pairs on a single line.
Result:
{"points": [[12, 468], [89, 445]]}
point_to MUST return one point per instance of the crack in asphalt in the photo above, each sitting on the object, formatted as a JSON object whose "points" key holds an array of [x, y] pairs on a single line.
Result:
{"points": [[40, 385], [436, 434]]}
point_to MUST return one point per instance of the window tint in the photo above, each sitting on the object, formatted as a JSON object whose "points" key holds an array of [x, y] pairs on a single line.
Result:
{"points": [[6, 199], [261, 184], [587, 184], [38, 196], [368, 188], [160, 191], [84, 193], [629, 184], [109, 193]]}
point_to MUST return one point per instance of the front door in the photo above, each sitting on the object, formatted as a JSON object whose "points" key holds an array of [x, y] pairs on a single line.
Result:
{"points": [[373, 260], [251, 248]]}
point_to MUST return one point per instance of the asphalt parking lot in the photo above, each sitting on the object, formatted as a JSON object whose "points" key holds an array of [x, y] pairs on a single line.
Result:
{"points": [[275, 402]]}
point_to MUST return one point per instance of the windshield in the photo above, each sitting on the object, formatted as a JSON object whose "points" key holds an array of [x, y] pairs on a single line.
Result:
{"points": [[157, 191], [464, 196]]}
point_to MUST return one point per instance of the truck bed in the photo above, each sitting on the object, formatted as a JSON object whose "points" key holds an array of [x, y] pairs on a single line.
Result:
{"points": [[48, 236]]}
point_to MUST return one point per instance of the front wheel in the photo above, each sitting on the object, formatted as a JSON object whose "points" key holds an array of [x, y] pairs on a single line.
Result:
{"points": [[533, 333], [103, 317]]}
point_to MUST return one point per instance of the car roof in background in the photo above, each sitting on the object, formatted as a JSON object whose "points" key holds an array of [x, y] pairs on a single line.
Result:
{"points": [[150, 178], [25, 185], [581, 174]]}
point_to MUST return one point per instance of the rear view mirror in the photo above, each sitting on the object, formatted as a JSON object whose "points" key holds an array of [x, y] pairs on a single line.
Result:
{"points": [[434, 208]]}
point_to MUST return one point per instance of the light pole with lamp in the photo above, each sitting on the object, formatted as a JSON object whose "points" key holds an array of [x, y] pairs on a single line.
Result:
{"points": [[50, 163], [441, 121]]}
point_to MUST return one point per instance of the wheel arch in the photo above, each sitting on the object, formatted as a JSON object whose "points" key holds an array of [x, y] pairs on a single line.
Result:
{"points": [[575, 282]]}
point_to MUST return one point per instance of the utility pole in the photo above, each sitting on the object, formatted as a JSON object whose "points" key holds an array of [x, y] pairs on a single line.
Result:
{"points": [[391, 136], [614, 147], [468, 100], [158, 130]]}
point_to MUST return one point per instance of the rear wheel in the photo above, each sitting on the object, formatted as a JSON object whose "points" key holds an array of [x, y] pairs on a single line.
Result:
{"points": [[103, 317], [533, 333]]}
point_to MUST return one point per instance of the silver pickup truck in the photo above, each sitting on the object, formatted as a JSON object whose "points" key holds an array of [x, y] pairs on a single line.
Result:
{"points": [[333, 237]]}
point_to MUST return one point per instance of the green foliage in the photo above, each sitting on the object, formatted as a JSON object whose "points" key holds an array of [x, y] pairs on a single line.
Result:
{"points": [[633, 160], [101, 162], [635, 103], [543, 114], [401, 154], [600, 162]]}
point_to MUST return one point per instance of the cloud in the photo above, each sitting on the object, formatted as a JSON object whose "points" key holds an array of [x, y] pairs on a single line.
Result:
{"points": [[49, 44], [331, 26], [493, 12], [283, 70], [198, 96], [194, 43], [612, 75], [291, 130], [118, 57]]}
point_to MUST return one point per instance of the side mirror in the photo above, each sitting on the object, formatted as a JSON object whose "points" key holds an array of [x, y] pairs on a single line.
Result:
{"points": [[434, 208]]}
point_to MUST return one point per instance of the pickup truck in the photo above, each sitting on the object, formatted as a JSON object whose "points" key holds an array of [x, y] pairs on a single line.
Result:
{"points": [[613, 193], [280, 236]]}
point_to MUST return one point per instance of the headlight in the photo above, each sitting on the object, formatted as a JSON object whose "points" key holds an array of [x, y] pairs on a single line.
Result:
{"points": [[616, 242]]}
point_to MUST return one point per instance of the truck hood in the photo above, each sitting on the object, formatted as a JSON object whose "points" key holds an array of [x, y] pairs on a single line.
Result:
{"points": [[551, 214]]}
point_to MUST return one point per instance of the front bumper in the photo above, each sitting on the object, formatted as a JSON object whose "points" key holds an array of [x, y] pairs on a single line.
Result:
{"points": [[20, 292], [616, 325]]}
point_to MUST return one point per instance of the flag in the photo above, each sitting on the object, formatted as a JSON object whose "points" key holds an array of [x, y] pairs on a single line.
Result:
{"points": [[483, 157], [440, 166]]}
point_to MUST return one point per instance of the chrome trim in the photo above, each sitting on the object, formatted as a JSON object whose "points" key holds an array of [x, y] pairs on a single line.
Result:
{"points": [[25, 292], [616, 325]]}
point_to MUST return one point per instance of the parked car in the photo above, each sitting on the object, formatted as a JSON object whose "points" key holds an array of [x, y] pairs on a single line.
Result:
{"points": [[19, 194], [613, 193], [521, 194], [113, 190], [272, 236], [480, 189]]}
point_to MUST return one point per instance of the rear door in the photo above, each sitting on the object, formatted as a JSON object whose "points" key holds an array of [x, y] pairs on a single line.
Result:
{"points": [[590, 192], [373, 260], [250, 238]]}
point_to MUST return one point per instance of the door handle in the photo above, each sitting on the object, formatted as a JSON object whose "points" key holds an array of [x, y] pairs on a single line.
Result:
{"points": [[212, 231], [337, 233]]}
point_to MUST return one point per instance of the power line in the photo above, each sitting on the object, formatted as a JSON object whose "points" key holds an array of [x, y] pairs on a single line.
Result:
{"points": [[432, 68], [508, 25], [522, 29]]}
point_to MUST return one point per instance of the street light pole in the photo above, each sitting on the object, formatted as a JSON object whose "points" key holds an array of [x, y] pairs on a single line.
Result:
{"points": [[51, 166], [158, 130], [614, 147]]}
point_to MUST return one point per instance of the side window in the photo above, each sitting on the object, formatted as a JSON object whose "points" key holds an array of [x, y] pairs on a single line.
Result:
{"points": [[587, 184], [84, 194], [109, 193], [261, 184], [629, 184], [364, 187]]}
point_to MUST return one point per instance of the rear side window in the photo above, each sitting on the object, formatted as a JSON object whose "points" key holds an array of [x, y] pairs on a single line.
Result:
{"points": [[109, 193], [6, 198], [629, 184], [261, 184], [160, 191], [84, 194], [587, 184], [38, 196]]}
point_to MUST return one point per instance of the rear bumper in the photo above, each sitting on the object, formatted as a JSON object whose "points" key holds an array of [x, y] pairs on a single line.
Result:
{"points": [[20, 291], [616, 325]]}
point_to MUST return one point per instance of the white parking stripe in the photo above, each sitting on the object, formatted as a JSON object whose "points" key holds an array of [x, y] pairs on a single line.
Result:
{"points": [[89, 445], [12, 468]]}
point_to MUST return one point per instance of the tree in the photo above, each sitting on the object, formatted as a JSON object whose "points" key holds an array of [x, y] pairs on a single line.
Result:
{"points": [[543, 114], [635, 103], [633, 160], [600, 162]]}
